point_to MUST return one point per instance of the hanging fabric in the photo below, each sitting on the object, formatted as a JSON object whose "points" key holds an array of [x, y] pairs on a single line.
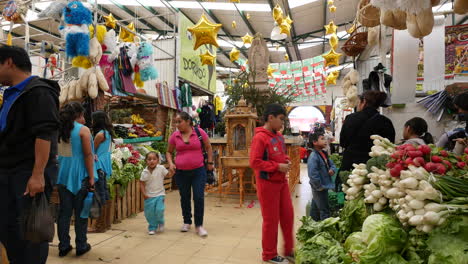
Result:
{"points": [[165, 95], [218, 103], [186, 95]]}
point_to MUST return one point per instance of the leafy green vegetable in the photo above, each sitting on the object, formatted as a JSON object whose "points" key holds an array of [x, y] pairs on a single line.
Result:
{"points": [[311, 228], [379, 162], [355, 245], [321, 249], [353, 214], [393, 258], [344, 175], [417, 251], [449, 242], [336, 158]]}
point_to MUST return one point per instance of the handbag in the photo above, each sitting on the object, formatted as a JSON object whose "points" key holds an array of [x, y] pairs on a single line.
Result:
{"points": [[210, 177]]}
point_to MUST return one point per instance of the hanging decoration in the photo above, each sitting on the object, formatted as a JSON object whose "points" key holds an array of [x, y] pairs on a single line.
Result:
{"points": [[110, 21], [234, 54], [278, 14], [332, 76], [145, 62], [101, 32], [332, 8], [207, 58], [330, 2], [288, 20], [127, 36], [333, 41], [332, 58], [77, 18], [247, 15], [247, 39], [270, 71], [235, 1], [234, 24], [285, 28], [286, 57], [205, 32], [330, 28]]}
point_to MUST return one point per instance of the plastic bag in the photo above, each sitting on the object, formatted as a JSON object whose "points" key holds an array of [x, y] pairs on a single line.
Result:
{"points": [[87, 203], [96, 206], [38, 221]]}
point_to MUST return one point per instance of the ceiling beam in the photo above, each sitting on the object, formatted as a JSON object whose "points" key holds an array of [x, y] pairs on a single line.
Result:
{"points": [[284, 43], [296, 49], [142, 21], [246, 21], [463, 20], [155, 12], [310, 34]]}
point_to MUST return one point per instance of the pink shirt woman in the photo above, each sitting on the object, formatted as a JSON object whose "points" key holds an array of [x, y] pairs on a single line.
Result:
{"points": [[190, 172]]}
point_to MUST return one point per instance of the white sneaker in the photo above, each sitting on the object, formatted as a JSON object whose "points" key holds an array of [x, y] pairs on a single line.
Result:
{"points": [[152, 232], [202, 231], [160, 229], [185, 228]]}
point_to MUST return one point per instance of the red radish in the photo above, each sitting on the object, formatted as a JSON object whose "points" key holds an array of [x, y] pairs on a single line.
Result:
{"points": [[399, 167], [430, 166], [391, 165], [425, 149], [461, 164], [419, 162], [448, 164], [436, 159], [410, 148], [441, 169], [395, 173], [398, 154], [443, 153], [409, 161], [466, 151], [416, 153]]}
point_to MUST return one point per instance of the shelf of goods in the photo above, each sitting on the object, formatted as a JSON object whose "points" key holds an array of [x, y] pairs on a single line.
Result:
{"points": [[407, 204]]}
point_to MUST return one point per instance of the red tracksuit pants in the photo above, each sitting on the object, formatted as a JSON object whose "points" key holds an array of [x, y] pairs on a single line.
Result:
{"points": [[277, 208]]}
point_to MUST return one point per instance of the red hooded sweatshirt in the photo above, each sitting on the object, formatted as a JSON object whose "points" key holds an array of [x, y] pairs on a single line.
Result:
{"points": [[275, 147]]}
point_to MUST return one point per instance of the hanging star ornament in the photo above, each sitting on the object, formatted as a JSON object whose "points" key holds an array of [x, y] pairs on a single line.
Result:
{"points": [[332, 58], [330, 2], [247, 15], [277, 46], [330, 28], [286, 57], [234, 54], [234, 24], [127, 36], [333, 41], [205, 32], [285, 28], [207, 58], [270, 71], [110, 21], [278, 14], [332, 8], [288, 20], [332, 76], [235, 1], [247, 39]]}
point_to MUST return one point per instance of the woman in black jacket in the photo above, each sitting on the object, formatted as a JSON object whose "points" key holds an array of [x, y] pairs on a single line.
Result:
{"points": [[358, 127]]}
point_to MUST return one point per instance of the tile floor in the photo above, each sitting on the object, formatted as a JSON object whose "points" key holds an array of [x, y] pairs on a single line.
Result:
{"points": [[234, 235]]}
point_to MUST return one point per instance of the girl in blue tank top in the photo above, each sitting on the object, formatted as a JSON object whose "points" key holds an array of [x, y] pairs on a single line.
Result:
{"points": [[76, 176], [103, 134]]}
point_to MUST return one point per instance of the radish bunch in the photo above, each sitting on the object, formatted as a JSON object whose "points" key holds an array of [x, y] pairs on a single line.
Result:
{"points": [[376, 192], [382, 146], [356, 181]]}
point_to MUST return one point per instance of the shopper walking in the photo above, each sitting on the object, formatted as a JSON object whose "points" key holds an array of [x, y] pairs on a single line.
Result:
{"points": [[269, 161], [77, 176], [360, 126], [189, 169], [29, 125], [103, 132], [415, 132]]}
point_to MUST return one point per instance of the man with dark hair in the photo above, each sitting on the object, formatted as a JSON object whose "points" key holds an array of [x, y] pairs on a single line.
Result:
{"points": [[461, 102], [28, 147]]}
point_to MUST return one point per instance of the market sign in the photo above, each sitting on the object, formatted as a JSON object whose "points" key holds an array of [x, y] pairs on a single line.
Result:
{"points": [[190, 67]]}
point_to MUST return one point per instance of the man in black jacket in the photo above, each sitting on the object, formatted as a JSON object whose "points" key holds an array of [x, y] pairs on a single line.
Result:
{"points": [[29, 123]]}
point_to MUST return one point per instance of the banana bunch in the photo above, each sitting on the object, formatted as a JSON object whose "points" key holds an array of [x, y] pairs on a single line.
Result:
{"points": [[88, 85], [150, 133], [136, 119], [158, 134], [131, 135]]}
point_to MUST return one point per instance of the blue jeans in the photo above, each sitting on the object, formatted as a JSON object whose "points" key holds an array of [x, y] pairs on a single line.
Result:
{"points": [[69, 204], [13, 206], [154, 212], [186, 181], [320, 209]]}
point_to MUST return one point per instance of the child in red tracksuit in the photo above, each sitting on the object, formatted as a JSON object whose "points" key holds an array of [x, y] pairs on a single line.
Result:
{"points": [[269, 160]]}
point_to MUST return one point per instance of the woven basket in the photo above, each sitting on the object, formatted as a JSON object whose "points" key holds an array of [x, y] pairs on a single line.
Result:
{"points": [[355, 44], [368, 15]]}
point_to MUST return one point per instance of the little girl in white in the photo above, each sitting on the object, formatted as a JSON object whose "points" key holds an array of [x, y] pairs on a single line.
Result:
{"points": [[152, 187]]}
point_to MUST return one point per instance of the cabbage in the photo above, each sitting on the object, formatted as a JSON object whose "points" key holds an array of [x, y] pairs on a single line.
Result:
{"points": [[321, 249], [310, 228], [383, 235], [449, 243], [353, 214], [355, 245]]}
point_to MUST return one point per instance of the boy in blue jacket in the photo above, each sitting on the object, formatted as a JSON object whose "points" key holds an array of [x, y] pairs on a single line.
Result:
{"points": [[320, 169]]}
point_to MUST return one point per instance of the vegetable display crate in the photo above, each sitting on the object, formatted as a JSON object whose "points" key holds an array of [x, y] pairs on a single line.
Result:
{"points": [[140, 140]]}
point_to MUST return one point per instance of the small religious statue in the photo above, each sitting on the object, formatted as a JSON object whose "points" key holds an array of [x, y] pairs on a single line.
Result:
{"points": [[259, 58]]}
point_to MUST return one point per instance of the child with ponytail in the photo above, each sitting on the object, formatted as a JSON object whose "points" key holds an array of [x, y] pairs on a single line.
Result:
{"points": [[415, 132]]}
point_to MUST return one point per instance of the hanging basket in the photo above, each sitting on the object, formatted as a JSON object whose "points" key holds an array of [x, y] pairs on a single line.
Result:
{"points": [[368, 15], [355, 44]]}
